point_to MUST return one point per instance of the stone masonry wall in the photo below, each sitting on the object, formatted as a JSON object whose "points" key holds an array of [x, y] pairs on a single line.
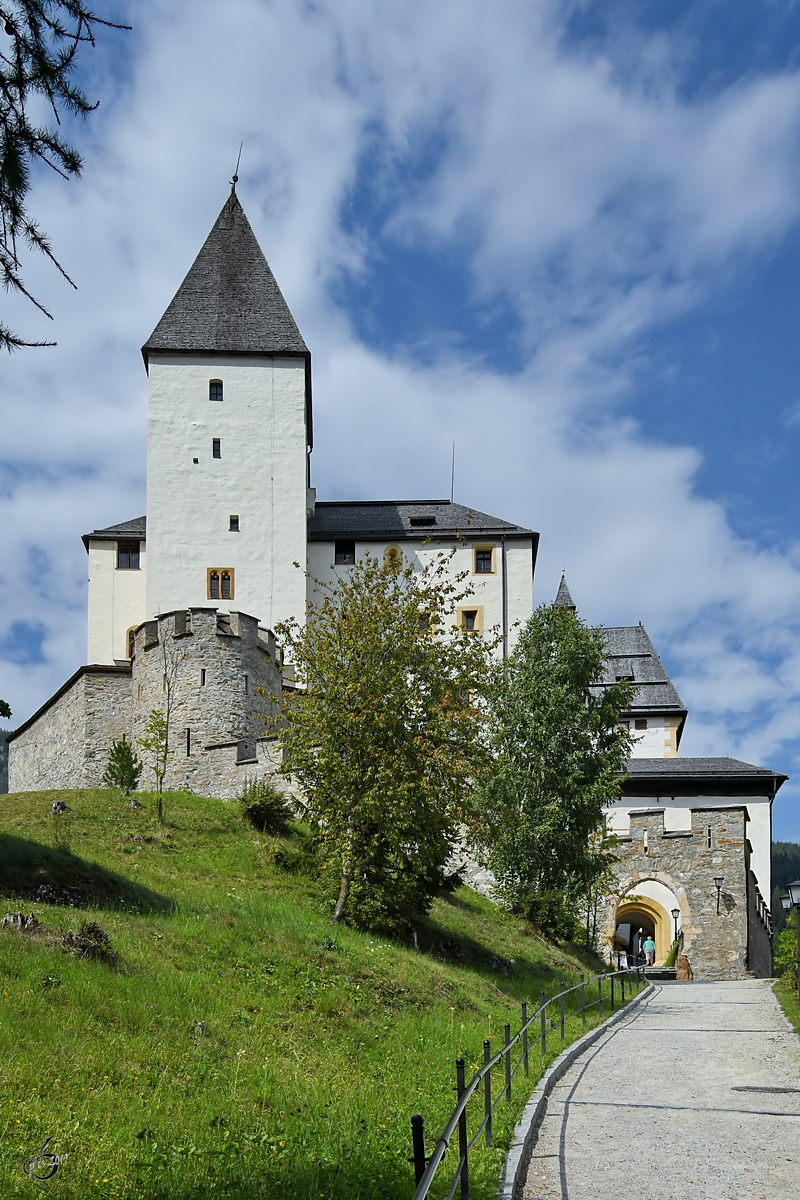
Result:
{"points": [[715, 945], [216, 672], [67, 746]]}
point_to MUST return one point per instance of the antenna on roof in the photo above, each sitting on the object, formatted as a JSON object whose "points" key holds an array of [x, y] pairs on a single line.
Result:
{"points": [[453, 473], [235, 179]]}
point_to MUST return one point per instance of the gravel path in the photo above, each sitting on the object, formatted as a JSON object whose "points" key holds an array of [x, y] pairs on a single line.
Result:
{"points": [[654, 1110]]}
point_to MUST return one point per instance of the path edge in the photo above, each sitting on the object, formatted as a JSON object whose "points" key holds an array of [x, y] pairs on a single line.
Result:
{"points": [[527, 1127]]}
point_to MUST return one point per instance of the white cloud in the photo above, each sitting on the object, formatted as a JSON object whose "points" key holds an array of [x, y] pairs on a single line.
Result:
{"points": [[596, 206]]}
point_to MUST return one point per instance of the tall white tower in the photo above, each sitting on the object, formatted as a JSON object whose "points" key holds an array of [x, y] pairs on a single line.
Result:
{"points": [[229, 432]]}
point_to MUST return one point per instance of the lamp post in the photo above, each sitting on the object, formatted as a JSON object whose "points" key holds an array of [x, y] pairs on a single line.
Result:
{"points": [[676, 912], [718, 882], [792, 897]]}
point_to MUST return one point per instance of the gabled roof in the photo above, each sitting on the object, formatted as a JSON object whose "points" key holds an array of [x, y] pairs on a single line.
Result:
{"points": [[399, 520], [229, 303], [135, 529], [699, 777], [563, 597]]}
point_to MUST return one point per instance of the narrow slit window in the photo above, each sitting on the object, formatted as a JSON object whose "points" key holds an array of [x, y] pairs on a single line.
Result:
{"points": [[131, 642], [226, 585], [188, 743], [709, 838], [202, 677], [216, 448], [246, 683], [234, 523], [215, 389]]}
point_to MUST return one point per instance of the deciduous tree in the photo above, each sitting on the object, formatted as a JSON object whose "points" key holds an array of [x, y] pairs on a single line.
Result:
{"points": [[559, 749], [386, 732]]}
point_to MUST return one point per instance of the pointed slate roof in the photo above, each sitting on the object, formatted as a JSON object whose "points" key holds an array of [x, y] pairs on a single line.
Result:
{"points": [[229, 303], [563, 598]]}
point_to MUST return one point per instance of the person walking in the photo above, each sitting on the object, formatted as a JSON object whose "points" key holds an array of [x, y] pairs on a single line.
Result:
{"points": [[649, 948]]}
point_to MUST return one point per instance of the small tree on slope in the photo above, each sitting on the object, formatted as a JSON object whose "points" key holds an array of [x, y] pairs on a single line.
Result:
{"points": [[124, 767], [386, 734], [559, 749]]}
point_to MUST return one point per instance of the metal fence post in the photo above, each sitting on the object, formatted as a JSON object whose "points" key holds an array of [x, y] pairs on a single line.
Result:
{"points": [[600, 995], [543, 1019], [562, 1009], [463, 1140], [507, 1041], [583, 1002], [622, 985], [525, 1036], [487, 1091], [418, 1142], [612, 993]]}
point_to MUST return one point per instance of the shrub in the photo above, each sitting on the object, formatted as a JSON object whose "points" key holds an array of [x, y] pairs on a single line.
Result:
{"points": [[786, 951], [265, 807], [674, 951], [124, 767]]}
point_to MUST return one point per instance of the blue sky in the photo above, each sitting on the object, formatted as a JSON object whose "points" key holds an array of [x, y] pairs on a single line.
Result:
{"points": [[567, 239]]}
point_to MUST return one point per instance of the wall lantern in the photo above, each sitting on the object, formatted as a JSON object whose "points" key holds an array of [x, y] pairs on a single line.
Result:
{"points": [[676, 912], [718, 882], [794, 892]]}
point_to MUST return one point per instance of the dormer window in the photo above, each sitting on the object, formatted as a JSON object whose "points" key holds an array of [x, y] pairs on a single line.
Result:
{"points": [[127, 556], [421, 522], [215, 389]]}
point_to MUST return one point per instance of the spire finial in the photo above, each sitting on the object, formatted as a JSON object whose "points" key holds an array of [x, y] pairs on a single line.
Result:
{"points": [[235, 179]]}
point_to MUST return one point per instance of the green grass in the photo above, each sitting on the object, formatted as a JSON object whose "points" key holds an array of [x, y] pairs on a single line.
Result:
{"points": [[319, 1043], [786, 994]]}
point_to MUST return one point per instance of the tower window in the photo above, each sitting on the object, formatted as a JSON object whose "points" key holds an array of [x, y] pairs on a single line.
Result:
{"points": [[215, 389], [344, 553], [470, 620], [131, 642], [188, 742], [202, 677], [484, 564], [709, 838], [216, 448], [219, 584], [640, 723], [247, 684], [127, 556], [234, 524]]}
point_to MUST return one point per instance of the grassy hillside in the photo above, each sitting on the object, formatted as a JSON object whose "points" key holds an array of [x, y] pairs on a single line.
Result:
{"points": [[242, 1047]]}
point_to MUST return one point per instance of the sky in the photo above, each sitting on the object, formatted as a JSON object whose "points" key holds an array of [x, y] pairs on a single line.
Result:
{"points": [[564, 236]]}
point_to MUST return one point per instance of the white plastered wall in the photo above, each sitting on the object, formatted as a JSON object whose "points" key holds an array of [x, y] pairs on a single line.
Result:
{"points": [[116, 602], [260, 477], [487, 590], [677, 815], [658, 740]]}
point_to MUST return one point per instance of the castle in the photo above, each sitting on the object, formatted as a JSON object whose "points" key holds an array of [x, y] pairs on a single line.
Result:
{"points": [[182, 604]]}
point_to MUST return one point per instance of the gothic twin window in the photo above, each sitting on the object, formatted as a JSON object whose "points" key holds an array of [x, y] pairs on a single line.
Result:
{"points": [[220, 583]]}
